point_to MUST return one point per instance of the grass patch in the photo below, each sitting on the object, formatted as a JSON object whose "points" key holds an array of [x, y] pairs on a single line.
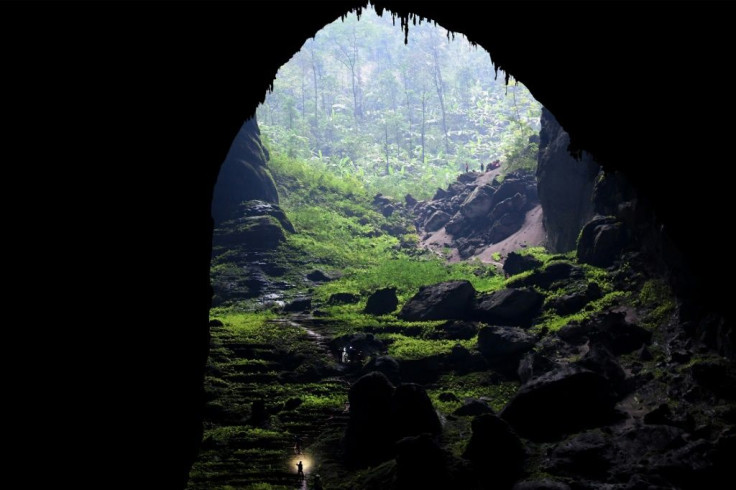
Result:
{"points": [[407, 275], [409, 348], [473, 385]]}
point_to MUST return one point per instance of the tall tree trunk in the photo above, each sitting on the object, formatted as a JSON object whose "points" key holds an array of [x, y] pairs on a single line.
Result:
{"points": [[440, 94], [424, 108], [385, 126], [410, 148]]}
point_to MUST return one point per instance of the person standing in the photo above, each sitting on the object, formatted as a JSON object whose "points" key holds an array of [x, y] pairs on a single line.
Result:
{"points": [[300, 470]]}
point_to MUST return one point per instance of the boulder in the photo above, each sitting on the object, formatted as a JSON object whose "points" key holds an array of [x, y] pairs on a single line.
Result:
{"points": [[299, 305], [504, 346], [446, 396], [552, 273], [600, 360], [571, 303], [478, 203], [436, 221], [496, 450], [455, 330], [508, 307], [243, 176], [472, 407], [440, 194], [457, 224], [513, 205], [421, 463], [601, 241], [410, 201], [369, 434], [318, 276], [382, 302], [343, 299], [446, 300], [511, 186], [587, 454], [517, 263], [250, 233], [385, 365], [572, 399], [575, 333], [534, 365], [385, 205], [620, 336], [412, 412]]}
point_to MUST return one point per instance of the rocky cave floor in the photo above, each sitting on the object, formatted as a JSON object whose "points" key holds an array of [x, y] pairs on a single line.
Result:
{"points": [[570, 376]]}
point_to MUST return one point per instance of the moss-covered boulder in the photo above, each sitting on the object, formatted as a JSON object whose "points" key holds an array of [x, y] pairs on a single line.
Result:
{"points": [[244, 175]]}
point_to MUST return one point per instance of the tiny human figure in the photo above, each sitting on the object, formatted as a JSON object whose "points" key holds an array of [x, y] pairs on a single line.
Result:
{"points": [[481, 166], [467, 168], [297, 445], [344, 355], [300, 470]]}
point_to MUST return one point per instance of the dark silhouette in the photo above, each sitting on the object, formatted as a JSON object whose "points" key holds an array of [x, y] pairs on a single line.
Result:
{"points": [[317, 483], [300, 470], [481, 167], [467, 168]]}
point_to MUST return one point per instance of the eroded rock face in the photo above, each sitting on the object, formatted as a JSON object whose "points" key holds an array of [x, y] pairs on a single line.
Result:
{"points": [[244, 175], [565, 186]]}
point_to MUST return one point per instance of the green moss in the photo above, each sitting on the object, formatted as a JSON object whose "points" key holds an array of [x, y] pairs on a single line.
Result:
{"points": [[553, 322], [473, 385], [657, 297], [409, 348]]}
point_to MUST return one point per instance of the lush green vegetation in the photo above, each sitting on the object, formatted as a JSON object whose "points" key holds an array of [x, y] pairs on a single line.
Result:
{"points": [[401, 118]]}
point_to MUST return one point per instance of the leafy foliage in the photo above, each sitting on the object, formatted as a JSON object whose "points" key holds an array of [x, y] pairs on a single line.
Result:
{"points": [[358, 102]]}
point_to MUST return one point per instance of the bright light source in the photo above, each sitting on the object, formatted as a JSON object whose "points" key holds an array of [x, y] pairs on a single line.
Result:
{"points": [[306, 463]]}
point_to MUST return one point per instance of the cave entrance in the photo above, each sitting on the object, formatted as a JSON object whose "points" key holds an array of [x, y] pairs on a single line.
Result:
{"points": [[373, 168]]}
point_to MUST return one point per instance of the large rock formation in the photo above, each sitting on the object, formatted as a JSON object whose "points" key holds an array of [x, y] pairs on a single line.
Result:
{"points": [[565, 185], [478, 210], [443, 301], [243, 175]]}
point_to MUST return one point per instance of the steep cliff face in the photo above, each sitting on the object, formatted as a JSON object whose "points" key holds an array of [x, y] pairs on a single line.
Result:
{"points": [[244, 175], [565, 186]]}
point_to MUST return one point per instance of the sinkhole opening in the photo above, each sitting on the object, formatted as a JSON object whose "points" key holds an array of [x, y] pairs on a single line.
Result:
{"points": [[397, 232]]}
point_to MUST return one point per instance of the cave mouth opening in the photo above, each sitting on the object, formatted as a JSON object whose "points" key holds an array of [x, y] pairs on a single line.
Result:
{"points": [[375, 169]]}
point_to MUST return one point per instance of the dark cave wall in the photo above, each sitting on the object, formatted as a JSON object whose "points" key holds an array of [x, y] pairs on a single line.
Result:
{"points": [[148, 100], [564, 184]]}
